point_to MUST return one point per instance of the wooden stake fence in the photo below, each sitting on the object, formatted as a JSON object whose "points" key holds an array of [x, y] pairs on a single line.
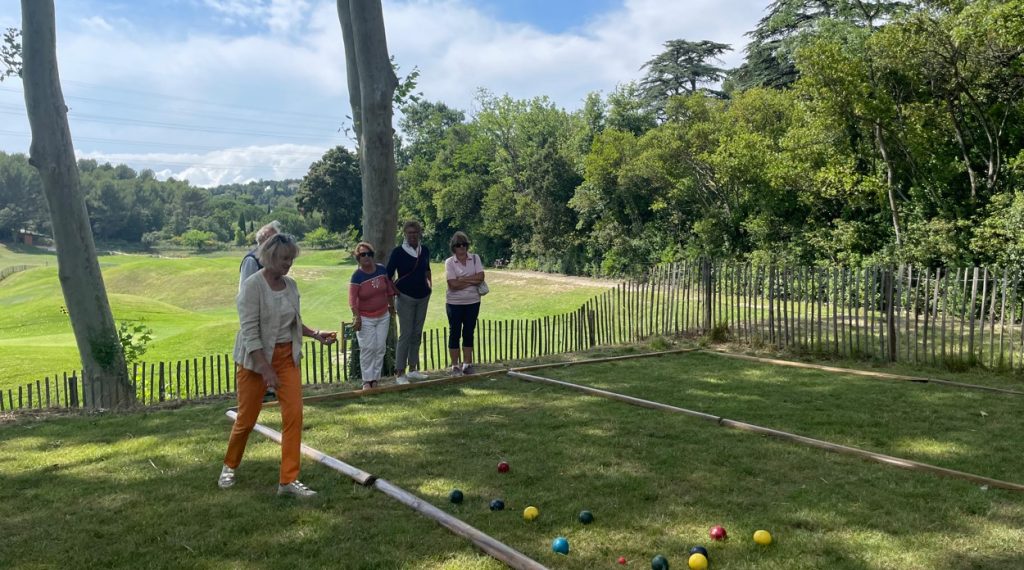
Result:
{"points": [[956, 318]]}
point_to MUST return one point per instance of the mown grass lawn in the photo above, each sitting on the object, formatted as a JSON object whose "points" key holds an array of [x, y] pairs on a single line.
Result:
{"points": [[189, 303], [117, 491]]}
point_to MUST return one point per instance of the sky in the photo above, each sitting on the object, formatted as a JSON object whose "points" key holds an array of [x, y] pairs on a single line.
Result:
{"points": [[222, 91]]}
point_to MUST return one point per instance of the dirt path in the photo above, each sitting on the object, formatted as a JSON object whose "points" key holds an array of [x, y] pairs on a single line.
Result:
{"points": [[556, 277]]}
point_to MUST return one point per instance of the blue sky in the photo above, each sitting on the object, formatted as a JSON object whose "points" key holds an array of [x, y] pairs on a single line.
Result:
{"points": [[218, 91]]}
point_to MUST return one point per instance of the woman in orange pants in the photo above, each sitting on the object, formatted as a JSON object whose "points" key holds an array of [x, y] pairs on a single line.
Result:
{"points": [[267, 352]]}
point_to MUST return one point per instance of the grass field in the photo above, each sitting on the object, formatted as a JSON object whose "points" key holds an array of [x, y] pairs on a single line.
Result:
{"points": [[131, 490], [189, 304]]}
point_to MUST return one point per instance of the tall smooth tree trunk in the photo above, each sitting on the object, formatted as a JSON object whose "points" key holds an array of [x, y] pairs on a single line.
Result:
{"points": [[372, 83], [106, 376], [890, 181]]}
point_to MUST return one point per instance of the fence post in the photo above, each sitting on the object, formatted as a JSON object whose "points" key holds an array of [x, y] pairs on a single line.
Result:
{"points": [[73, 390], [890, 314], [708, 284], [163, 385]]}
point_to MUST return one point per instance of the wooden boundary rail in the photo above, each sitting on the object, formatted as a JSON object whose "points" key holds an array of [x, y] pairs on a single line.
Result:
{"points": [[932, 317], [11, 270]]}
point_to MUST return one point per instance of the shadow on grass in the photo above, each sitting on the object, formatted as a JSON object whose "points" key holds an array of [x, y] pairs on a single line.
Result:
{"points": [[113, 490], [125, 491], [657, 482]]}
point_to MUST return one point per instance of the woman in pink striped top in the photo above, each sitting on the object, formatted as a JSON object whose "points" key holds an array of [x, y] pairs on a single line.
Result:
{"points": [[371, 296]]}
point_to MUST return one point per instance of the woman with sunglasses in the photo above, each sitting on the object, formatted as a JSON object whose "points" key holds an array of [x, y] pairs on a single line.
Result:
{"points": [[464, 271], [371, 296]]}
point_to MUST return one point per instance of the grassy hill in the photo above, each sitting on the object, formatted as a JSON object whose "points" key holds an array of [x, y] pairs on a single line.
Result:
{"points": [[190, 304]]}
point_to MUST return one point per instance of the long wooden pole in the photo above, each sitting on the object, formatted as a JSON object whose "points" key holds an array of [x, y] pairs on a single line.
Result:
{"points": [[871, 374], [783, 435], [494, 548]]}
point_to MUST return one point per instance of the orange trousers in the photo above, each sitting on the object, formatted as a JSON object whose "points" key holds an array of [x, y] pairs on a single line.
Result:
{"points": [[250, 401]]}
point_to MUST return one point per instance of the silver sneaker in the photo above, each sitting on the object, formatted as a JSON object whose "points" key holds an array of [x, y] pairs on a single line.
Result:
{"points": [[468, 369], [295, 489], [227, 478], [417, 375], [455, 370], [403, 379]]}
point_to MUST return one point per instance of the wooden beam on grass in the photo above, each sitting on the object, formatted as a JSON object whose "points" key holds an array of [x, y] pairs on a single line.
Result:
{"points": [[355, 394], [786, 436], [491, 546], [598, 360], [868, 373], [356, 474]]}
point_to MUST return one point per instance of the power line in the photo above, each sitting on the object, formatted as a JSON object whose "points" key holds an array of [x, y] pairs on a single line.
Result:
{"points": [[236, 114], [141, 143], [88, 118], [190, 100]]}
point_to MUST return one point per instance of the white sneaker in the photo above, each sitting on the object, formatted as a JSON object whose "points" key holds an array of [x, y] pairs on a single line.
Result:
{"points": [[227, 478], [403, 379], [417, 375], [456, 370], [295, 489]]}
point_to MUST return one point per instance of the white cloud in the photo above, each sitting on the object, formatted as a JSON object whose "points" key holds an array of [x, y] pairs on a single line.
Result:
{"points": [[97, 24], [285, 16], [288, 62], [227, 166], [241, 9]]}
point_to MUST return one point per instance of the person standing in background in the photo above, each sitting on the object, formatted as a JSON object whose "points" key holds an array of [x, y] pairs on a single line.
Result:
{"points": [[464, 272], [411, 262], [251, 264], [371, 296]]}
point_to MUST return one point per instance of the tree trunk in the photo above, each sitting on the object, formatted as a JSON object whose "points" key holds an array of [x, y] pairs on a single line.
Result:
{"points": [[106, 376], [363, 26], [889, 182], [351, 67]]}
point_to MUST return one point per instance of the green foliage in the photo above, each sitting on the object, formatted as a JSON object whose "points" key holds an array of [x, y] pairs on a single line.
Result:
{"points": [[684, 67], [321, 238], [333, 188], [134, 338], [854, 132], [198, 240], [10, 54]]}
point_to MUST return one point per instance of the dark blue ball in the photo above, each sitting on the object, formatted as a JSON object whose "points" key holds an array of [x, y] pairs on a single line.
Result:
{"points": [[586, 517], [455, 496], [659, 562], [700, 550], [497, 505]]}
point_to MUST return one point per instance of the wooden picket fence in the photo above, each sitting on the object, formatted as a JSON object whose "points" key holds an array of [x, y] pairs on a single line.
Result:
{"points": [[937, 317], [11, 270]]}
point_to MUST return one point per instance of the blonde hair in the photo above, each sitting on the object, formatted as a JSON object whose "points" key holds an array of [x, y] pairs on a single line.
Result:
{"points": [[367, 245], [275, 248], [412, 224], [456, 239]]}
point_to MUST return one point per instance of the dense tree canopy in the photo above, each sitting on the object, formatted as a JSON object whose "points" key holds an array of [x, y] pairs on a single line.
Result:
{"points": [[885, 132]]}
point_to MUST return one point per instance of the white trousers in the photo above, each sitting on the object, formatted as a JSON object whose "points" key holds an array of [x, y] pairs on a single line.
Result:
{"points": [[373, 339]]}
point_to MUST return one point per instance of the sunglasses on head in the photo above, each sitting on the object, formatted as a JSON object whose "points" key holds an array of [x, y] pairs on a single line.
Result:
{"points": [[365, 254], [461, 244]]}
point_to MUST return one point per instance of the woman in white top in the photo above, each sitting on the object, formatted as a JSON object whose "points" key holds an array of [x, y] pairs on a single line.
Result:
{"points": [[464, 271], [268, 347]]}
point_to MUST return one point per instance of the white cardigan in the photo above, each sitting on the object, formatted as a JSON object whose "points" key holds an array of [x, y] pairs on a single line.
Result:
{"points": [[259, 318]]}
